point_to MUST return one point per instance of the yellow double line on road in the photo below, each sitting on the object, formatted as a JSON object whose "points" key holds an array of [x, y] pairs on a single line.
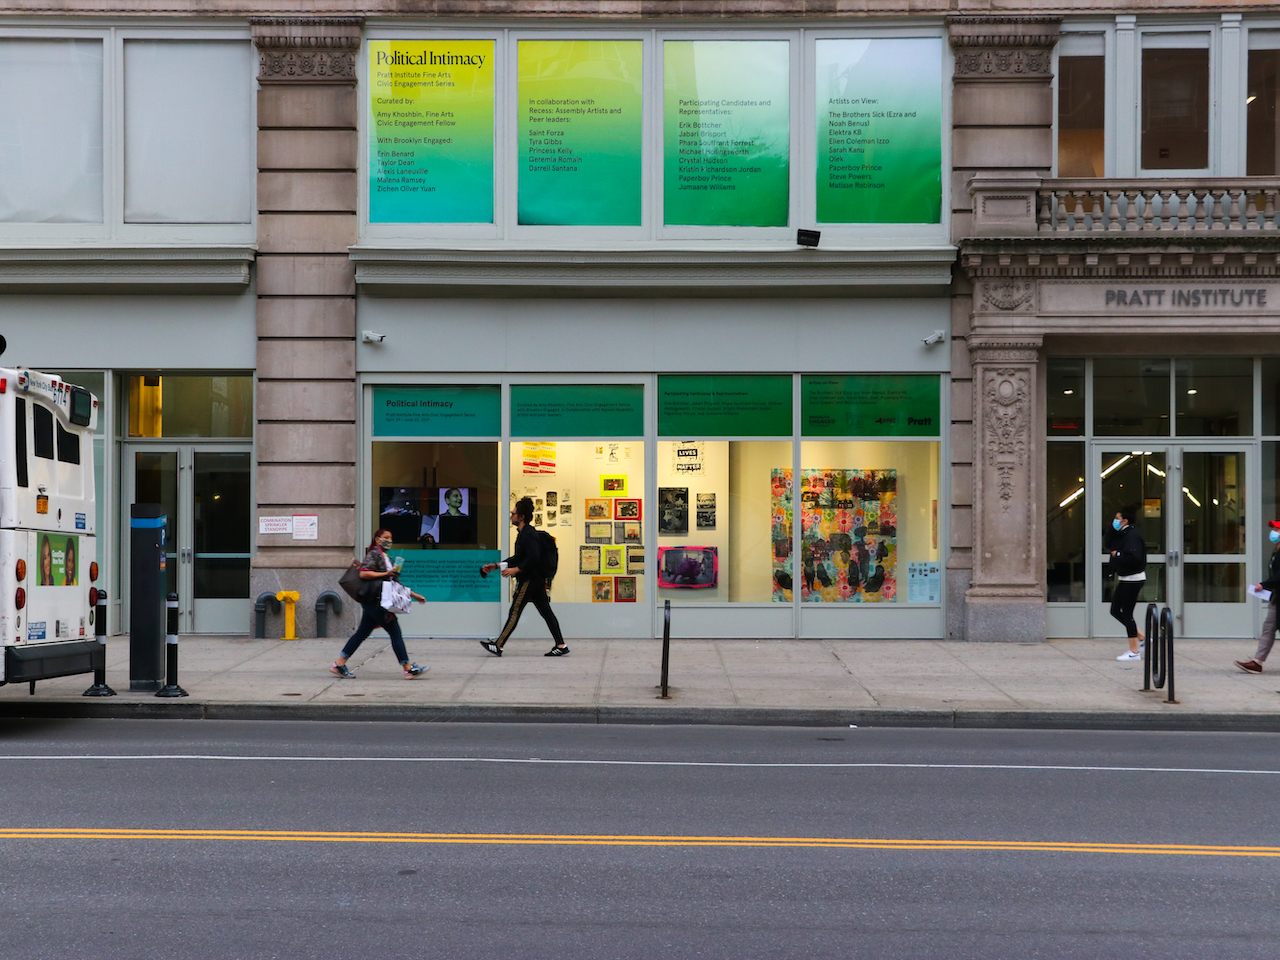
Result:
{"points": [[608, 840]]}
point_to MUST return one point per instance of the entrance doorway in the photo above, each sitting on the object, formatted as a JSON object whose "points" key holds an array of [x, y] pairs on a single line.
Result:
{"points": [[1190, 504], [205, 492]]}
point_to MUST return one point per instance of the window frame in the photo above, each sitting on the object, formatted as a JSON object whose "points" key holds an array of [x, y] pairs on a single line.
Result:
{"points": [[113, 230]]}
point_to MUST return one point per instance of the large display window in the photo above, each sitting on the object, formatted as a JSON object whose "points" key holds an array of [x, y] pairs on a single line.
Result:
{"points": [[578, 452]]}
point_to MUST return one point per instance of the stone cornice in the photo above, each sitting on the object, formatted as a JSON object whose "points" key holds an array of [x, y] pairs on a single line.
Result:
{"points": [[306, 49], [1237, 255], [1003, 48], [747, 271], [222, 268]]}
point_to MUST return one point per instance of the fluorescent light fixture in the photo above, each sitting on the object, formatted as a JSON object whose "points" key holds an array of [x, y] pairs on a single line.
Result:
{"points": [[1156, 470], [1071, 499], [1190, 497], [1192, 393], [1067, 393], [1116, 466], [1251, 98]]}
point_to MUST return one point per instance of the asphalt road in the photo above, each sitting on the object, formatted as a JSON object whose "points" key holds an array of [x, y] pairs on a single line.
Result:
{"points": [[132, 839]]}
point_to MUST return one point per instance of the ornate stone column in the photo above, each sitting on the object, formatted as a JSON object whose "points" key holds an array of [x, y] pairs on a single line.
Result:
{"points": [[1005, 600], [306, 402]]}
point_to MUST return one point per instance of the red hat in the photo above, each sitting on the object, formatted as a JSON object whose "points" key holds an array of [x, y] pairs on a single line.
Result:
{"points": [[1275, 524]]}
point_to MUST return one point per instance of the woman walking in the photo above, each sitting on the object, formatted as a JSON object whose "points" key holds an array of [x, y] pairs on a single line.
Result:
{"points": [[376, 566], [1129, 560]]}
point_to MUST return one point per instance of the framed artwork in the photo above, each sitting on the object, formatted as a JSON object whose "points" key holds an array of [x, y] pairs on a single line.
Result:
{"points": [[589, 559], [673, 511], [626, 509], [630, 531], [598, 532], [599, 509], [613, 485], [635, 560], [691, 568], [706, 511], [602, 589], [613, 560], [624, 589]]}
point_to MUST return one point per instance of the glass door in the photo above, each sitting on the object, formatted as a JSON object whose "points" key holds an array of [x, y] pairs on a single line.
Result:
{"points": [[206, 496], [1190, 506]]}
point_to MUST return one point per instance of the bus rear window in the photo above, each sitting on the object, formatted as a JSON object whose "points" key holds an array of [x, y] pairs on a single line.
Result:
{"points": [[20, 439], [68, 446], [81, 410], [42, 418]]}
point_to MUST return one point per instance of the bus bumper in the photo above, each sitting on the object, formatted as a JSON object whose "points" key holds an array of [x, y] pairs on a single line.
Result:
{"points": [[44, 661]]}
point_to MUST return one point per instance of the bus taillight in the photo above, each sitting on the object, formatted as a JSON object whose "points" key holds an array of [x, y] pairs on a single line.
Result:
{"points": [[22, 570], [93, 571], [20, 598], [93, 596]]}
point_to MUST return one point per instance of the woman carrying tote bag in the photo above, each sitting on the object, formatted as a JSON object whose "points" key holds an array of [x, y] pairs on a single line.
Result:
{"points": [[375, 569]]}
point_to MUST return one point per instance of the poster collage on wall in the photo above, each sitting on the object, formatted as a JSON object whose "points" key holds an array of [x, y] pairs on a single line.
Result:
{"points": [[848, 536]]}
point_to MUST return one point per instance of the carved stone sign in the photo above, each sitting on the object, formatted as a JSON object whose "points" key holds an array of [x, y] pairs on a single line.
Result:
{"points": [[1118, 297]]}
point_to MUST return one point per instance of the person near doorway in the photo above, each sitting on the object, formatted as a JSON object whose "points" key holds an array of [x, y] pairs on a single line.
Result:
{"points": [[1129, 561], [377, 567], [525, 565], [1268, 635]]}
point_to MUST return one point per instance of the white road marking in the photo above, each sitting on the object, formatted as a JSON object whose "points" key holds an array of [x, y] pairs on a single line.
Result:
{"points": [[1031, 767]]}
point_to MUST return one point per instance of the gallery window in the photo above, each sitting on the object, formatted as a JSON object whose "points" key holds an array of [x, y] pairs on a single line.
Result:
{"points": [[867, 492], [577, 450], [1082, 110], [724, 457], [434, 485], [1175, 102]]}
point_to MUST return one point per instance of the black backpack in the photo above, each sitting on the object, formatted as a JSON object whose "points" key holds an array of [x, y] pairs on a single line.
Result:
{"points": [[550, 559]]}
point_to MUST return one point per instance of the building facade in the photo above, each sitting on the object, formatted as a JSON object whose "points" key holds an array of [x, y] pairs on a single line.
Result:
{"points": [[812, 322]]}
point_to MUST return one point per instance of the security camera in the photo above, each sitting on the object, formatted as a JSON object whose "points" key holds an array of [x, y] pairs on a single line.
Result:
{"points": [[368, 336], [936, 337]]}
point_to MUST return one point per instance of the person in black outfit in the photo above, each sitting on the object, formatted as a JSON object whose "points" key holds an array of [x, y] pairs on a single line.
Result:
{"points": [[1129, 560], [531, 586], [1268, 635]]}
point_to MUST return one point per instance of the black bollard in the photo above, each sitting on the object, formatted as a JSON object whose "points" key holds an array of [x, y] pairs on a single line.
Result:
{"points": [[100, 688], [171, 688], [666, 648]]}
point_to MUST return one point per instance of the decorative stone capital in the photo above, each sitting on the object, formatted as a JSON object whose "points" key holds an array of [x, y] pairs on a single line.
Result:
{"points": [[1005, 350], [300, 50], [1003, 48]]}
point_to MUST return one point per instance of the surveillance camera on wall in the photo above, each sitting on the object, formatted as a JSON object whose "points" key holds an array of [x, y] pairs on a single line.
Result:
{"points": [[368, 336], [936, 337]]}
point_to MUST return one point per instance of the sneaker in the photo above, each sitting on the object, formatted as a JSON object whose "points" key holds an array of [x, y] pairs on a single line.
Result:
{"points": [[492, 647], [343, 671], [412, 670], [1249, 666], [1129, 655], [556, 652]]}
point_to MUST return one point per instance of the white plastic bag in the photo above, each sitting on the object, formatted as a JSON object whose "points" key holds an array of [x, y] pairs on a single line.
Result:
{"points": [[396, 597]]}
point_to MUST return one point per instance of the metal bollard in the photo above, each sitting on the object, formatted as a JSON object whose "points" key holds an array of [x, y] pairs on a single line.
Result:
{"points": [[171, 688], [100, 688], [260, 613], [666, 647], [322, 614]]}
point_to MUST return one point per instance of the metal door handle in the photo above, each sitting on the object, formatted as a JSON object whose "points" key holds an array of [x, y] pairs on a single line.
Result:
{"points": [[1173, 558]]}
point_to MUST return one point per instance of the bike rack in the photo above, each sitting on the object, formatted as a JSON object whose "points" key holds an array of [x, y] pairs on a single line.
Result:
{"points": [[1157, 662]]}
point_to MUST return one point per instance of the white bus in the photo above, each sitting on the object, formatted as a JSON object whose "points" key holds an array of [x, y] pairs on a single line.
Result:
{"points": [[48, 547]]}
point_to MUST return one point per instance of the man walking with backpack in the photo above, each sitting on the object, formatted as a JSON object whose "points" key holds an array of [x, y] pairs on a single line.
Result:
{"points": [[528, 564]]}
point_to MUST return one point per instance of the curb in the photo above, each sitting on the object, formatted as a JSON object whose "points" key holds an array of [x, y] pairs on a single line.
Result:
{"points": [[76, 709]]}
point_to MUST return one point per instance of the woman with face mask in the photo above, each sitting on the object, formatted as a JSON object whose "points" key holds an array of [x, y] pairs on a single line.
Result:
{"points": [[1129, 560], [1268, 635], [376, 567]]}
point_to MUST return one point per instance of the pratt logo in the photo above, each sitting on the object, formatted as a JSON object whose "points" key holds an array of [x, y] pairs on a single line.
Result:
{"points": [[1195, 298]]}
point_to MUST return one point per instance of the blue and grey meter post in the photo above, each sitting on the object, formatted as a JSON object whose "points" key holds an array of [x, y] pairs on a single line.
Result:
{"points": [[146, 596]]}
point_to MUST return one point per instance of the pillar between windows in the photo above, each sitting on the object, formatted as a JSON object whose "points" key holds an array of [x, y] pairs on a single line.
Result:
{"points": [[1006, 596]]}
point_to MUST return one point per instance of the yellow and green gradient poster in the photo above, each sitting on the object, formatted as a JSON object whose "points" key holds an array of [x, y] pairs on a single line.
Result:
{"points": [[879, 112], [431, 131], [580, 132], [726, 132]]}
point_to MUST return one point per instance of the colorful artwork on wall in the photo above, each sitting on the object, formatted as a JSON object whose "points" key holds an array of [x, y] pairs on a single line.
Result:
{"points": [[848, 536]]}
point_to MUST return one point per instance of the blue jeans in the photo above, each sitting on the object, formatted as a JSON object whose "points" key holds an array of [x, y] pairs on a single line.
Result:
{"points": [[372, 618]]}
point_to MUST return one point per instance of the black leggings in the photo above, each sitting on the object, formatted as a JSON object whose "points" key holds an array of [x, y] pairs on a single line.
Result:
{"points": [[533, 592], [1124, 600]]}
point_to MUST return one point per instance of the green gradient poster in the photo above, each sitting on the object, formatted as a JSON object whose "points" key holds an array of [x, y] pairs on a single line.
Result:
{"points": [[580, 131], [431, 131], [879, 112], [726, 137]]}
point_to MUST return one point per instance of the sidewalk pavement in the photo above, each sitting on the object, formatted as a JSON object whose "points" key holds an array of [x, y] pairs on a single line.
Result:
{"points": [[1060, 684]]}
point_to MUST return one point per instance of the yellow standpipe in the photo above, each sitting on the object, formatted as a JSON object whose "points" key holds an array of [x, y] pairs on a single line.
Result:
{"points": [[290, 600]]}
